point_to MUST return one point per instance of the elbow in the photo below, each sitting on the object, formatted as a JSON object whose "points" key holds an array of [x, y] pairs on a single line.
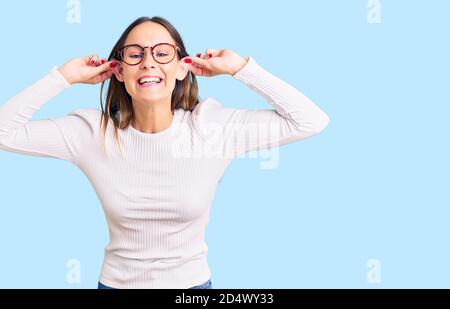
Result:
{"points": [[3, 136], [321, 123]]}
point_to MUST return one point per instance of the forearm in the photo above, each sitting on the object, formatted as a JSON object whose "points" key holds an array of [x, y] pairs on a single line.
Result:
{"points": [[289, 102], [18, 110]]}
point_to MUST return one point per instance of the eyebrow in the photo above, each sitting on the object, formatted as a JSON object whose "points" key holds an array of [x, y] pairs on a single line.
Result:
{"points": [[152, 44]]}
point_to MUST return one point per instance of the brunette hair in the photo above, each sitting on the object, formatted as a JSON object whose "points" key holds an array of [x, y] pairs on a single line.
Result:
{"points": [[118, 106]]}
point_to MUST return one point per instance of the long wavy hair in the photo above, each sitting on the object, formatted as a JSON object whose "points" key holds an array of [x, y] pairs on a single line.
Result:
{"points": [[118, 106]]}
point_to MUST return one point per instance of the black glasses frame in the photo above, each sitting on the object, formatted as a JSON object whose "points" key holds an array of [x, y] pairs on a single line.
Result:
{"points": [[120, 52]]}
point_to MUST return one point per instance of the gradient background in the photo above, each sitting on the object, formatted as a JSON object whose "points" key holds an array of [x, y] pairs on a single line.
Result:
{"points": [[373, 185]]}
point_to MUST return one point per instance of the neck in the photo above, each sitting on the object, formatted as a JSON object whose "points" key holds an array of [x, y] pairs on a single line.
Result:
{"points": [[151, 119]]}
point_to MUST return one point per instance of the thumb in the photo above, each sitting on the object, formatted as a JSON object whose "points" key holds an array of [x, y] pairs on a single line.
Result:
{"points": [[202, 63], [103, 67]]}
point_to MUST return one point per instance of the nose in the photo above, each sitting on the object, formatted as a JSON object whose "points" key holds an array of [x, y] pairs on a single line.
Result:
{"points": [[148, 59]]}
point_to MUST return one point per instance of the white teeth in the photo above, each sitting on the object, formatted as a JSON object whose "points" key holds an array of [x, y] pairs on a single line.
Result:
{"points": [[150, 80]]}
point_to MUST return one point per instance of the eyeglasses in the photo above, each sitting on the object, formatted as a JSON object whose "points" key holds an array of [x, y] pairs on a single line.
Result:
{"points": [[162, 53]]}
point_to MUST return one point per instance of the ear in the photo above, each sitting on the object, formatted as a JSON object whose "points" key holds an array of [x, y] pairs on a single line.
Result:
{"points": [[118, 71], [183, 69]]}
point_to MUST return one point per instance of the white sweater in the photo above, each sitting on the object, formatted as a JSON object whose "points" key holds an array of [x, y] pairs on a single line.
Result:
{"points": [[157, 195]]}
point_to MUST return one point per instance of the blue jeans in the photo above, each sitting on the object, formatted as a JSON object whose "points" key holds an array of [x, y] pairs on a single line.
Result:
{"points": [[206, 285]]}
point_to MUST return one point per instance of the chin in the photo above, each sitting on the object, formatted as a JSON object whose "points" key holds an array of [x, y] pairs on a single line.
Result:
{"points": [[150, 98]]}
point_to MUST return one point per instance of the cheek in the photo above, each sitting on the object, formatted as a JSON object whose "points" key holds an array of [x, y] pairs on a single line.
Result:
{"points": [[129, 82], [171, 80], [130, 87]]}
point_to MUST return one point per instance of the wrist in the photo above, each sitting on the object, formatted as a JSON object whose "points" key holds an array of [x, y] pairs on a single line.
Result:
{"points": [[241, 64], [66, 76]]}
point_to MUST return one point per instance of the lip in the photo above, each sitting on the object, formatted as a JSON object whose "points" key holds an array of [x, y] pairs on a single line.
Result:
{"points": [[143, 76], [149, 85]]}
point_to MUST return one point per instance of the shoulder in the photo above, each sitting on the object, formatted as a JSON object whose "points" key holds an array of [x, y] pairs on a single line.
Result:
{"points": [[204, 106], [87, 116], [210, 116], [209, 110]]}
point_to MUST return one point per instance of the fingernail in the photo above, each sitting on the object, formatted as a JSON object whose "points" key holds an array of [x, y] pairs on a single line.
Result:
{"points": [[198, 55], [210, 55], [112, 65], [103, 61], [188, 60], [92, 62]]}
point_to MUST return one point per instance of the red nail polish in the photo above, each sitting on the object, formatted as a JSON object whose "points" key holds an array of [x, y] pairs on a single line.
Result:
{"points": [[112, 65], [92, 62], [188, 60], [210, 55], [198, 55], [103, 61]]}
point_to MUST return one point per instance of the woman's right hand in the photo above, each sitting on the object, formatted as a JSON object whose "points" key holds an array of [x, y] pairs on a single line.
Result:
{"points": [[87, 70]]}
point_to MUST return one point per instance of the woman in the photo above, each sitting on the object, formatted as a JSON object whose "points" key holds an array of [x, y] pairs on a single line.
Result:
{"points": [[156, 153]]}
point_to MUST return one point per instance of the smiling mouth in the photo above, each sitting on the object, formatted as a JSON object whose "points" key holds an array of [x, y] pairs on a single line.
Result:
{"points": [[147, 80], [154, 83]]}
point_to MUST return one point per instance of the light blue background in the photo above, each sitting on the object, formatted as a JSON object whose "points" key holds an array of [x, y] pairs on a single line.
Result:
{"points": [[373, 185]]}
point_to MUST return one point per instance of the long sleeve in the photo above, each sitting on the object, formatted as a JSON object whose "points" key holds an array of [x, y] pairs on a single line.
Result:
{"points": [[45, 138], [294, 117]]}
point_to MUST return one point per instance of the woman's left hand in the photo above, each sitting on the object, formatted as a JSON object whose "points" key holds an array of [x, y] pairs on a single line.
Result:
{"points": [[215, 62]]}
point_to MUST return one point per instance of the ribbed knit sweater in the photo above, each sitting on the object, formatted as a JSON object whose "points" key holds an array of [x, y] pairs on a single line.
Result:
{"points": [[157, 193]]}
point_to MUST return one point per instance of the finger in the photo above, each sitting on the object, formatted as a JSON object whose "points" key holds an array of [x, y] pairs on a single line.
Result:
{"points": [[105, 75], [93, 60], [100, 62], [197, 71], [88, 58], [100, 77], [202, 63], [104, 67], [202, 56], [211, 52], [194, 65]]}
